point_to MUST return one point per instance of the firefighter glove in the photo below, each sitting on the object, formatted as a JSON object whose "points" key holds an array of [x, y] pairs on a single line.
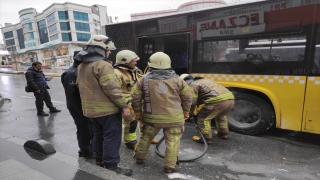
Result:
{"points": [[186, 115], [138, 117]]}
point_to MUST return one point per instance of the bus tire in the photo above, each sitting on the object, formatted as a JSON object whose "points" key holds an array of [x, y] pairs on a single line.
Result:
{"points": [[250, 115]]}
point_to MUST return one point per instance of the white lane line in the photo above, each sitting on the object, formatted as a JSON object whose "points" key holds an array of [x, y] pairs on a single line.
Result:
{"points": [[29, 97], [57, 102]]}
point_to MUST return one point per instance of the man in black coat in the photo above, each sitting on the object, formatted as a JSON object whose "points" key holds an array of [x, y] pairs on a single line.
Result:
{"points": [[84, 133], [37, 83]]}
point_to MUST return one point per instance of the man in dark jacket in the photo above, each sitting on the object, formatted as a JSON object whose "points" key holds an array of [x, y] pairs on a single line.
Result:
{"points": [[37, 82], [84, 133]]}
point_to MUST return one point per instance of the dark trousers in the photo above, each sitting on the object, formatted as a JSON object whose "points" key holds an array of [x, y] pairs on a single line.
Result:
{"points": [[84, 131], [107, 135], [43, 96]]}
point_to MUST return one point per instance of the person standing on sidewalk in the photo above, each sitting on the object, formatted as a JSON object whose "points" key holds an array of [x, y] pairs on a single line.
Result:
{"points": [[128, 74], [84, 132], [37, 82], [102, 100]]}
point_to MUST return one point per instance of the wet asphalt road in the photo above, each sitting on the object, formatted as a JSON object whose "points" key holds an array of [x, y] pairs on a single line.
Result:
{"points": [[240, 157]]}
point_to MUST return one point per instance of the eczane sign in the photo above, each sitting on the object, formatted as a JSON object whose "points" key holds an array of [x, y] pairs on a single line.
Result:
{"points": [[232, 25]]}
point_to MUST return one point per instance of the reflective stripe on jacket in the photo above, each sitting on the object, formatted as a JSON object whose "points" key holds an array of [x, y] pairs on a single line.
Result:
{"points": [[163, 100], [99, 89]]}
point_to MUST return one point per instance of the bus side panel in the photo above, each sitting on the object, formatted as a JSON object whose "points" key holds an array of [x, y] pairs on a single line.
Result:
{"points": [[311, 114], [289, 91]]}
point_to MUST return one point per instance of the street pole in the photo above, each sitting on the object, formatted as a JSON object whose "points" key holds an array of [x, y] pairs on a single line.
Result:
{"points": [[12, 50]]}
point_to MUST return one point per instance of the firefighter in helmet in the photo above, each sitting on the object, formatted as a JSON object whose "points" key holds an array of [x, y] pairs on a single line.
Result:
{"points": [[128, 74], [161, 100], [102, 99], [217, 100]]}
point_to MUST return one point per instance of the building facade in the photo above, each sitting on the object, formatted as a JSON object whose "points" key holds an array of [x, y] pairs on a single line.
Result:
{"points": [[53, 35], [189, 6]]}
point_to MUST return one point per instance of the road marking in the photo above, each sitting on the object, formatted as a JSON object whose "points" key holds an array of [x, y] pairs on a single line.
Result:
{"points": [[29, 97], [58, 102]]}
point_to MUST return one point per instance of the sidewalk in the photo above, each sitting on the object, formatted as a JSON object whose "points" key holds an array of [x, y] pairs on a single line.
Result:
{"points": [[17, 162]]}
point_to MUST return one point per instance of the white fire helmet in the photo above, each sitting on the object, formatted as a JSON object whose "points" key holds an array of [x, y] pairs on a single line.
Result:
{"points": [[102, 41], [160, 60], [188, 78], [126, 56]]}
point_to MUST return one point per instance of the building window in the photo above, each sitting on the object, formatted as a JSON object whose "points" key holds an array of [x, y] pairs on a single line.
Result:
{"points": [[82, 27], [54, 37], [10, 42], [64, 26], [8, 34], [66, 37], [80, 16], [53, 29], [63, 15], [20, 38], [43, 33], [27, 27], [28, 36], [51, 18], [83, 37]]}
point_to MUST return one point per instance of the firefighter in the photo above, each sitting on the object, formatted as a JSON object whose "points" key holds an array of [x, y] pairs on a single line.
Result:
{"points": [[128, 74], [217, 100], [161, 100], [102, 98]]}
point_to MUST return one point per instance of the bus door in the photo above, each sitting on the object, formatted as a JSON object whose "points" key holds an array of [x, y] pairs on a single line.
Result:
{"points": [[176, 46], [311, 113], [145, 50]]}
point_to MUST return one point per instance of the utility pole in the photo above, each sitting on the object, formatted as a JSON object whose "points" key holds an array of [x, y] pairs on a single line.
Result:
{"points": [[13, 49]]}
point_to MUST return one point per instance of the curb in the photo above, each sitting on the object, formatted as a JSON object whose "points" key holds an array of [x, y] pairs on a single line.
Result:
{"points": [[12, 72], [22, 73]]}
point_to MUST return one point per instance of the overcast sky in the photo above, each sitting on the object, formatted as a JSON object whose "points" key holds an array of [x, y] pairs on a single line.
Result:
{"points": [[122, 8]]}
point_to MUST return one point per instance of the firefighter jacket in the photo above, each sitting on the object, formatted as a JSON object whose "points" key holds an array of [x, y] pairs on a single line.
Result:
{"points": [[100, 92], [164, 96], [205, 91], [127, 77]]}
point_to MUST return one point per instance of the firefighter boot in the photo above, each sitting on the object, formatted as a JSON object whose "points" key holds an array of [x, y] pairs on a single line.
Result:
{"points": [[221, 135], [198, 139], [118, 170], [131, 145]]}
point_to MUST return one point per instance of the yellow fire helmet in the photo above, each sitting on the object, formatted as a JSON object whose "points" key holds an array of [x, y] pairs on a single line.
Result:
{"points": [[126, 56], [160, 60], [102, 41]]}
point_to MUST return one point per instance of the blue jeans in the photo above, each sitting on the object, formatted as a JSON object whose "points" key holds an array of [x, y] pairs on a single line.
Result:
{"points": [[107, 135]]}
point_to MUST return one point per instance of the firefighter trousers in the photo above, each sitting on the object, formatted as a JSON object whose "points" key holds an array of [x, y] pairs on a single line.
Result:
{"points": [[172, 137], [129, 128], [218, 111]]}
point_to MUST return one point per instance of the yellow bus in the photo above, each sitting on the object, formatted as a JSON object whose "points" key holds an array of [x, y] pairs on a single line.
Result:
{"points": [[267, 53]]}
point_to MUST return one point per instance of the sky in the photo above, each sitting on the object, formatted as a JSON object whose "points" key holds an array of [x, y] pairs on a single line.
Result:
{"points": [[122, 8]]}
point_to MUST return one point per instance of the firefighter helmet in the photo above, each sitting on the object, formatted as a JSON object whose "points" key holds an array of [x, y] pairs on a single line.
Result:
{"points": [[188, 78], [160, 60], [103, 41], [126, 56]]}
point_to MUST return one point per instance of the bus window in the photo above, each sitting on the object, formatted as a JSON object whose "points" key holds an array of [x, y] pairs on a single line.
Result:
{"points": [[275, 49]]}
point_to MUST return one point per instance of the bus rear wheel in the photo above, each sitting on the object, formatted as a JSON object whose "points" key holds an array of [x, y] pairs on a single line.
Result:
{"points": [[250, 115]]}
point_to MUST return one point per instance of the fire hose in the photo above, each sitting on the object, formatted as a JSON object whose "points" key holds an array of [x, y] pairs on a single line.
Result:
{"points": [[194, 120]]}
